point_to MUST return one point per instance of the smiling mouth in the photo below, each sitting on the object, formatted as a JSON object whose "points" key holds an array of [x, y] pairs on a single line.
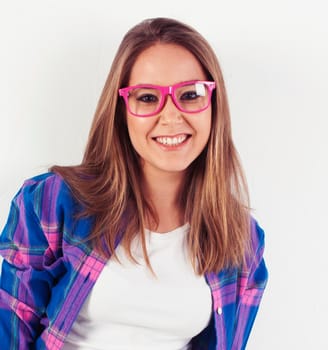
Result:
{"points": [[171, 141]]}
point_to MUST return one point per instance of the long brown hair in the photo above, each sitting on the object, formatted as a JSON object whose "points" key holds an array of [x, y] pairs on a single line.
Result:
{"points": [[107, 182]]}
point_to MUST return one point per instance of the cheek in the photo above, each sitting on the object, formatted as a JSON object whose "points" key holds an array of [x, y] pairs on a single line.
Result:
{"points": [[138, 129], [132, 130], [206, 127]]}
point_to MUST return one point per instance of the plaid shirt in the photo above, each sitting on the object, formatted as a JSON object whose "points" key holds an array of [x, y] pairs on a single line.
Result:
{"points": [[47, 273]]}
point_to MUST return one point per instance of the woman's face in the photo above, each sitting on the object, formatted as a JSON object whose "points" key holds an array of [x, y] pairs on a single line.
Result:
{"points": [[171, 140]]}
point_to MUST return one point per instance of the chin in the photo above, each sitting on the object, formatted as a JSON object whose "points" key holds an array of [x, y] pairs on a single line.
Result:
{"points": [[179, 168]]}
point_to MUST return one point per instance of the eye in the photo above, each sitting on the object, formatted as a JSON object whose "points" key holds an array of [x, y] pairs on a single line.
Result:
{"points": [[147, 98], [189, 95]]}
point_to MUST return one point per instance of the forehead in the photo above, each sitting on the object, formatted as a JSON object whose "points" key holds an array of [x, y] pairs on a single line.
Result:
{"points": [[165, 64]]}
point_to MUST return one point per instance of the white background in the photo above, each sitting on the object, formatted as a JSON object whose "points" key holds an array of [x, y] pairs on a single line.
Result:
{"points": [[54, 59]]}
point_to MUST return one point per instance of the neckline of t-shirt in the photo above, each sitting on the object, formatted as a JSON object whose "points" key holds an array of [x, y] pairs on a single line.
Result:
{"points": [[166, 235]]}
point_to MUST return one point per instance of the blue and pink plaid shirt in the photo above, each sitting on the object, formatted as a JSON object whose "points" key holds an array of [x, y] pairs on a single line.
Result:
{"points": [[48, 272]]}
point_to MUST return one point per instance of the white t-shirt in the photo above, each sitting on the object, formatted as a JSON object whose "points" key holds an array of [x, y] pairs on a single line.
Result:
{"points": [[131, 309]]}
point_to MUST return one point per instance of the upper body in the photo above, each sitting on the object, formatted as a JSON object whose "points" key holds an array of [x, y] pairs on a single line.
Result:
{"points": [[159, 156], [42, 246]]}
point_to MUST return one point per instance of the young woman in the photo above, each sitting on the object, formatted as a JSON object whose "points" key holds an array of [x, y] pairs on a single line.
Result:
{"points": [[149, 242]]}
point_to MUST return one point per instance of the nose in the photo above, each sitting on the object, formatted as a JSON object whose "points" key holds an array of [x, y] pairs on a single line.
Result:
{"points": [[170, 113]]}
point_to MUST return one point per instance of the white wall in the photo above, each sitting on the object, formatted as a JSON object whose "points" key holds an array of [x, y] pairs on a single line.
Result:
{"points": [[53, 62]]}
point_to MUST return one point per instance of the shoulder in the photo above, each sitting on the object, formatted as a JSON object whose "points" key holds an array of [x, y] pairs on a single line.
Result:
{"points": [[44, 201], [256, 268], [45, 192], [48, 183], [43, 214], [257, 235]]}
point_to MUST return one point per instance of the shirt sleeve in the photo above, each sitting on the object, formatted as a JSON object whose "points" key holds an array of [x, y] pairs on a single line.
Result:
{"points": [[31, 264], [254, 280]]}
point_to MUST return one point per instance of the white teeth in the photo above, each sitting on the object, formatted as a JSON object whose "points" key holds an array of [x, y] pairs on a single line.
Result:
{"points": [[171, 141]]}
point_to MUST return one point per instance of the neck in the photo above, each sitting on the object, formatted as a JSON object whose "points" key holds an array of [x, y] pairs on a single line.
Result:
{"points": [[163, 192]]}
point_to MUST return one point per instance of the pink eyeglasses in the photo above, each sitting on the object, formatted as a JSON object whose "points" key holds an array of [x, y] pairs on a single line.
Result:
{"points": [[146, 100]]}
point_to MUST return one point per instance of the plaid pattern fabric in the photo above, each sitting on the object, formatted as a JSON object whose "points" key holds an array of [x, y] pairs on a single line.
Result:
{"points": [[48, 271]]}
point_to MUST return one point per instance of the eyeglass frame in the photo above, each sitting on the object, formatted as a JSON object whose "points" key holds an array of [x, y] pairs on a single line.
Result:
{"points": [[165, 91]]}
